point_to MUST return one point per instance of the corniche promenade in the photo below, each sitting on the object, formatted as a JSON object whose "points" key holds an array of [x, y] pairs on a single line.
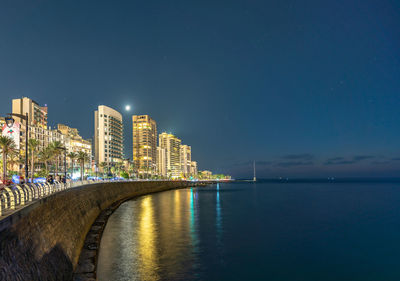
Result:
{"points": [[43, 240]]}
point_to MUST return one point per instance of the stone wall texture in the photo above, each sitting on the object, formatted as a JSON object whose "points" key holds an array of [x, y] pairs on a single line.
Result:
{"points": [[43, 241]]}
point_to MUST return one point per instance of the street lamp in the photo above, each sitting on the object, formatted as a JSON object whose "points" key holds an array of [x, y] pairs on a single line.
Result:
{"points": [[10, 123]]}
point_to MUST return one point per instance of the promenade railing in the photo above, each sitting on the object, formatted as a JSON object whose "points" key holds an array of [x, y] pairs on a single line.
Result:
{"points": [[16, 196]]}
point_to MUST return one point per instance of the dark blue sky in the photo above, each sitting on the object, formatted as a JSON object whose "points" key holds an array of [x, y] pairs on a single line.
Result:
{"points": [[306, 88]]}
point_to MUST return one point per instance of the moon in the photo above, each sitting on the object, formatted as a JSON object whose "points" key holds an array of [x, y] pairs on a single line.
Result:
{"points": [[127, 107]]}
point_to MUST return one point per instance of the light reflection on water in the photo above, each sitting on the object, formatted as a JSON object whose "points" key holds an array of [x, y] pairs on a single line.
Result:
{"points": [[263, 231], [218, 219], [152, 238], [147, 237], [193, 218]]}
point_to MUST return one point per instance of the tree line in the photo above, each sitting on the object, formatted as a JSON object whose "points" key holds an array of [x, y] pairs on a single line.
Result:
{"points": [[42, 162]]}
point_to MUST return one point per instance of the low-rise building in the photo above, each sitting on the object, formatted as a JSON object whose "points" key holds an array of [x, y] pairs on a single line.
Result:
{"points": [[73, 141], [205, 174]]}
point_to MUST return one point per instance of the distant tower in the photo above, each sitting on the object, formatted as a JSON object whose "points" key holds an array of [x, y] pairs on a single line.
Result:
{"points": [[254, 171], [172, 146], [186, 159]]}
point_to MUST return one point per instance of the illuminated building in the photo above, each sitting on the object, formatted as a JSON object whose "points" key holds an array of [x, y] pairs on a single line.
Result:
{"points": [[205, 174], [74, 142], [37, 123], [144, 132], [186, 159], [37, 114], [45, 136], [38, 128], [172, 145], [161, 162], [193, 168], [108, 136]]}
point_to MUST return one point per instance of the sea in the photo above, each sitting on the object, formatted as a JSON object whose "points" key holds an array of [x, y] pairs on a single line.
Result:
{"points": [[276, 230]]}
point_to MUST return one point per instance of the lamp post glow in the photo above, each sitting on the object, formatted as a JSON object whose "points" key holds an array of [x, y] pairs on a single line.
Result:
{"points": [[127, 107]]}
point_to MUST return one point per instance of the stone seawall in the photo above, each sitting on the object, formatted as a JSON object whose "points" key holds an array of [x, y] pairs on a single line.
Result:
{"points": [[43, 241]]}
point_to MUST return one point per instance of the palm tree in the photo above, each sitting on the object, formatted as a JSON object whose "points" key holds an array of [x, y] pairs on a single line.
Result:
{"points": [[72, 156], [7, 145], [45, 155], [118, 168], [82, 156], [131, 172], [33, 145], [13, 158], [102, 166], [57, 148]]}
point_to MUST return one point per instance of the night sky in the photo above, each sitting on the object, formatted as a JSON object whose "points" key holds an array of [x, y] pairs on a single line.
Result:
{"points": [[305, 88]]}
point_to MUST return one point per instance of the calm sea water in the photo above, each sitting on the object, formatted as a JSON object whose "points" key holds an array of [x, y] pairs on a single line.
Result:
{"points": [[263, 231]]}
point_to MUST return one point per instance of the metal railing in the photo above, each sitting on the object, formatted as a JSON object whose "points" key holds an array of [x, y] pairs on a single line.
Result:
{"points": [[16, 196], [19, 195]]}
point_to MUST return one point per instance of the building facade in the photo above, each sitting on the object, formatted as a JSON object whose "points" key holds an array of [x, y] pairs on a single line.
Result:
{"points": [[74, 142], [205, 174], [144, 138], [45, 136], [161, 162], [193, 168], [172, 145], [37, 114], [108, 135], [186, 159]]}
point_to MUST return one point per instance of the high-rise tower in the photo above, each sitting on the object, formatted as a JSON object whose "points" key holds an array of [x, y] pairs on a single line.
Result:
{"points": [[108, 135], [144, 132], [186, 159], [172, 145]]}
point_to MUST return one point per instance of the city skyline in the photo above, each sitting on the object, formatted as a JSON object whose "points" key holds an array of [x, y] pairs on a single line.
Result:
{"points": [[154, 156], [255, 81], [305, 161]]}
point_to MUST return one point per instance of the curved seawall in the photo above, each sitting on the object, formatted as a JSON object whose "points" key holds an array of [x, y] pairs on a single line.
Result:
{"points": [[43, 241]]}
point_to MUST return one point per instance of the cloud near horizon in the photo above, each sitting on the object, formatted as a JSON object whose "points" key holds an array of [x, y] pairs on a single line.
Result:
{"points": [[294, 163], [304, 156], [308, 164], [347, 161]]}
